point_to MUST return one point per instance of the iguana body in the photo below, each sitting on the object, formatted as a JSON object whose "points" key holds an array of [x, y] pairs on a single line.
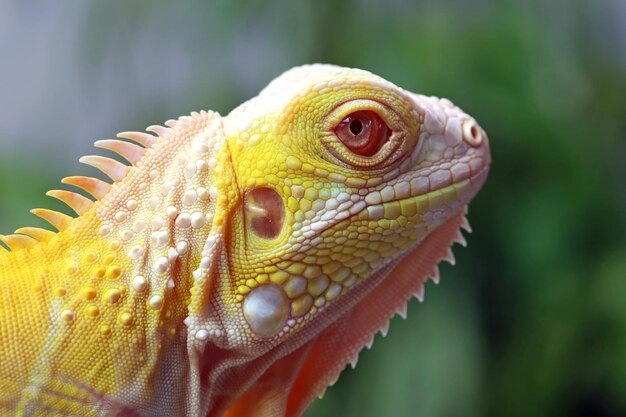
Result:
{"points": [[241, 261]]}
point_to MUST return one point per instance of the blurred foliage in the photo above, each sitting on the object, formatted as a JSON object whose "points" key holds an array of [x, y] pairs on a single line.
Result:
{"points": [[532, 320]]}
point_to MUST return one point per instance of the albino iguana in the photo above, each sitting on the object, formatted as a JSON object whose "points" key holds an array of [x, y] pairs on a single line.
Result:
{"points": [[240, 262]]}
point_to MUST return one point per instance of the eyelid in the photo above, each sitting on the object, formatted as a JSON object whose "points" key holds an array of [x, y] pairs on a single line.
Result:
{"points": [[341, 111], [388, 152]]}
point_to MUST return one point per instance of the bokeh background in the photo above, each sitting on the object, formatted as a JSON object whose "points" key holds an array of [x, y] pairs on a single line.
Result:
{"points": [[532, 320]]}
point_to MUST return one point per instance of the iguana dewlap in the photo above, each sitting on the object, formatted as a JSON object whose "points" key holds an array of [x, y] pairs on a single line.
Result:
{"points": [[240, 262]]}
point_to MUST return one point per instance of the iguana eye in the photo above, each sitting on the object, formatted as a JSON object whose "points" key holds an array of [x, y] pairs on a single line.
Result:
{"points": [[368, 134], [363, 132]]}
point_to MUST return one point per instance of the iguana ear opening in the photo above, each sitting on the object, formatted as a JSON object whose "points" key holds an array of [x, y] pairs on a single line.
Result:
{"points": [[292, 382], [265, 212]]}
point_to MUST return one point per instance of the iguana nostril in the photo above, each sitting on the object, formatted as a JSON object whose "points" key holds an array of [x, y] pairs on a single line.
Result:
{"points": [[472, 134], [265, 212]]}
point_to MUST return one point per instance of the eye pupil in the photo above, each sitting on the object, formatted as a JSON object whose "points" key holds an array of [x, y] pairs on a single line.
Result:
{"points": [[363, 132], [356, 127], [474, 132]]}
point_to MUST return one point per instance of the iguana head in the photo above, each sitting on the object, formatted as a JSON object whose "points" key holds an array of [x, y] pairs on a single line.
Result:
{"points": [[339, 175]]}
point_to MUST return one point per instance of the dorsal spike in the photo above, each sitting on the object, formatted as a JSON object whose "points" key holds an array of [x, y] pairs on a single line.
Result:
{"points": [[17, 242], [77, 202], [112, 168], [93, 186], [172, 123], [461, 240], [41, 235], [130, 151], [59, 220], [158, 129], [449, 258], [141, 138], [435, 275], [466, 226]]}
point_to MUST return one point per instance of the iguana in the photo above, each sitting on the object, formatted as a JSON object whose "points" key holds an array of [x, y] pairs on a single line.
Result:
{"points": [[240, 262]]}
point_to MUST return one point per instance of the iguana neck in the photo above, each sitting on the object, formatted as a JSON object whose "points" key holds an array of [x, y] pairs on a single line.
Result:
{"points": [[122, 273]]}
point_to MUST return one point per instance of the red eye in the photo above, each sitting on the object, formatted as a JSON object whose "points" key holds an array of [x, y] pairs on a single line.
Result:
{"points": [[363, 132]]}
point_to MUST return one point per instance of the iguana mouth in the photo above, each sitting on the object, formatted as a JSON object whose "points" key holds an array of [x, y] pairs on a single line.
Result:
{"points": [[433, 205]]}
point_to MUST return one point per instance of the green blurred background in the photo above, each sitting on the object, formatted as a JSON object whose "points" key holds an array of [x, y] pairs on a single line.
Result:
{"points": [[532, 320]]}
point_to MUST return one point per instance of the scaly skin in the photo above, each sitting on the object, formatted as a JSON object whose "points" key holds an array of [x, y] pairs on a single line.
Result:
{"points": [[240, 262]]}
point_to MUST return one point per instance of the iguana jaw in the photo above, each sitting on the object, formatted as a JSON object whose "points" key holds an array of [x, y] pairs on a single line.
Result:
{"points": [[431, 208]]}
